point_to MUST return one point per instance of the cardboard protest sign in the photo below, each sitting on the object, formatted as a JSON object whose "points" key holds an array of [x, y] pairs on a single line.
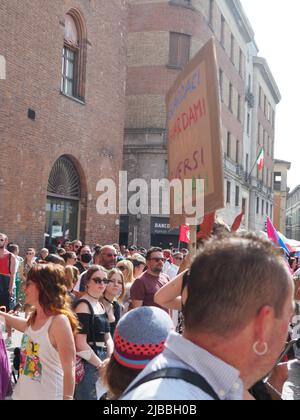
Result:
{"points": [[194, 132]]}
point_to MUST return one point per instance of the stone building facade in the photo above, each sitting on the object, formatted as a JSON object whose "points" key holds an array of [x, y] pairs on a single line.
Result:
{"points": [[293, 214], [266, 98], [62, 107], [281, 192]]}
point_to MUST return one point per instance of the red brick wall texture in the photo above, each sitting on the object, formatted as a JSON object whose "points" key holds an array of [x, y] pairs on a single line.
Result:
{"points": [[31, 40]]}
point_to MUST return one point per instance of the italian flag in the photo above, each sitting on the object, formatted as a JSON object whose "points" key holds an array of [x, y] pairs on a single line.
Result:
{"points": [[261, 160]]}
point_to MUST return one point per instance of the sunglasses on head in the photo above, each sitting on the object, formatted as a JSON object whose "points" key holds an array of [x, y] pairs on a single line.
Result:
{"points": [[98, 280]]}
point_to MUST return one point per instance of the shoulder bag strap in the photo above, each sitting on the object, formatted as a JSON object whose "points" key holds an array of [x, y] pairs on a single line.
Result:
{"points": [[178, 373], [93, 317]]}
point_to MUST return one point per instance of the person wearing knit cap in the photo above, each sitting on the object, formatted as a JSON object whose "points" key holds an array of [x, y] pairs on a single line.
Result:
{"points": [[139, 337]]}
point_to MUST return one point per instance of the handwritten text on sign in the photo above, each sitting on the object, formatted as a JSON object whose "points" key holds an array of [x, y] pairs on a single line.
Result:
{"points": [[194, 130]]}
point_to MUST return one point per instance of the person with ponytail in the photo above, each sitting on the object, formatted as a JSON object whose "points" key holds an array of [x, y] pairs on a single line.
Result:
{"points": [[48, 348]]}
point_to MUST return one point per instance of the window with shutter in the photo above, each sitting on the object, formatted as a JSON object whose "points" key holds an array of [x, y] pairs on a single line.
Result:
{"points": [[179, 50]]}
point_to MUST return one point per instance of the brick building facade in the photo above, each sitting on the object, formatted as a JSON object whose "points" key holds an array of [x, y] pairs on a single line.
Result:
{"points": [[62, 111], [61, 119]]}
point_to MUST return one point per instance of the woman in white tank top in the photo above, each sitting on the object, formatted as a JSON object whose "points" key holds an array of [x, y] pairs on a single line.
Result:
{"points": [[48, 349]]}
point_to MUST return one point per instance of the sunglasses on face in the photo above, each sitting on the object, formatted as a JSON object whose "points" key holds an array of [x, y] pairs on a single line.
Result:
{"points": [[98, 280], [157, 260]]}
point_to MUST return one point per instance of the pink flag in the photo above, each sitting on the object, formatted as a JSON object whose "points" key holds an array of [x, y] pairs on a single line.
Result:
{"points": [[272, 232], [274, 236]]}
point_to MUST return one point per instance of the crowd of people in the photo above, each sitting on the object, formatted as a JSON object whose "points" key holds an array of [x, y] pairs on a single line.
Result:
{"points": [[116, 323]]}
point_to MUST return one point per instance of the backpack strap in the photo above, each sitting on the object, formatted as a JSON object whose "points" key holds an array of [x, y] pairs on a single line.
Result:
{"points": [[178, 373]]}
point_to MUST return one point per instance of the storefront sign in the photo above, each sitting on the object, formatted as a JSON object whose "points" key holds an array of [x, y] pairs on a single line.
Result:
{"points": [[161, 226]]}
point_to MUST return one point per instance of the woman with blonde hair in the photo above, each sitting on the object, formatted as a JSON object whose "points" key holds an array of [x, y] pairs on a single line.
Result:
{"points": [[113, 296], [71, 279], [139, 263], [48, 348], [127, 269]]}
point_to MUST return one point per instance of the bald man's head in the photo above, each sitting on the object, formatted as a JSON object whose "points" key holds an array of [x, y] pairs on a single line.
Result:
{"points": [[108, 257]]}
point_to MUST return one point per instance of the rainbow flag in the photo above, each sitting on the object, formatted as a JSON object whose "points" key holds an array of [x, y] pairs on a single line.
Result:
{"points": [[292, 245], [275, 237]]}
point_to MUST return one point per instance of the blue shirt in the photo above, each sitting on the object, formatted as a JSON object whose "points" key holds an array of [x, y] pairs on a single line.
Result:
{"points": [[182, 353]]}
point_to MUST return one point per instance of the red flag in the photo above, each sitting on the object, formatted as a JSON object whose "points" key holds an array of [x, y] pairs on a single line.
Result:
{"points": [[207, 226], [237, 223], [184, 234]]}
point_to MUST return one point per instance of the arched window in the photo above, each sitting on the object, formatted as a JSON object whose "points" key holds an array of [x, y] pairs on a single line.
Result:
{"points": [[74, 56], [64, 180], [63, 197]]}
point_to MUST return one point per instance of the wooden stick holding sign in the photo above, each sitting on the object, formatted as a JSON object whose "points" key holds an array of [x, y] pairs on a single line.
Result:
{"points": [[193, 241]]}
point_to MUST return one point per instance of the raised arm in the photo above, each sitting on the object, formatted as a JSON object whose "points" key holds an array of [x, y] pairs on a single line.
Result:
{"points": [[15, 322], [169, 296]]}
